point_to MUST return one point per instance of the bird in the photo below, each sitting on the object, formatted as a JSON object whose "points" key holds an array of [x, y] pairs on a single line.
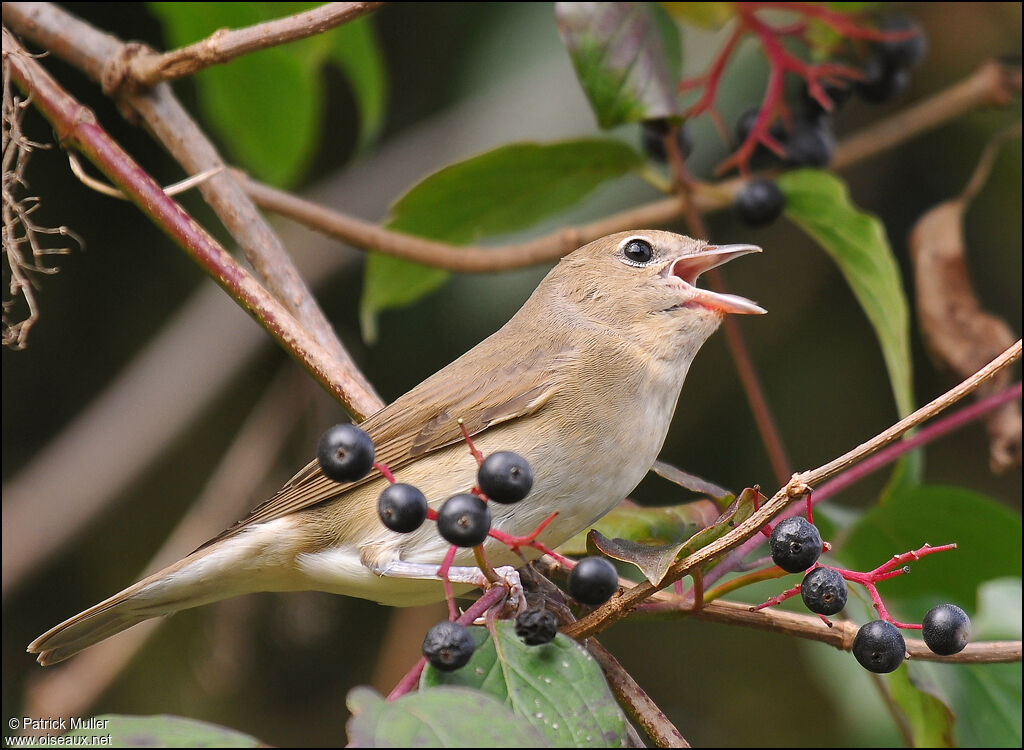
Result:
{"points": [[582, 382]]}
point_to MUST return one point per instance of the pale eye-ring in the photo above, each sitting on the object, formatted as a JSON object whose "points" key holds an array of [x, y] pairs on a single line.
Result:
{"points": [[638, 252]]}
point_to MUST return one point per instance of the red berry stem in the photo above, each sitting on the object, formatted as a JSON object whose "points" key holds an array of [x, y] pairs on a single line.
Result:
{"points": [[383, 469], [469, 441], [530, 540], [779, 598], [780, 62], [869, 580], [442, 573], [490, 599]]}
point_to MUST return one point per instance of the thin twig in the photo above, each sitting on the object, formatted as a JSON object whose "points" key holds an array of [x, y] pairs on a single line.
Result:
{"points": [[76, 127], [987, 85], [869, 465], [991, 84], [223, 45], [619, 606], [635, 700], [100, 56]]}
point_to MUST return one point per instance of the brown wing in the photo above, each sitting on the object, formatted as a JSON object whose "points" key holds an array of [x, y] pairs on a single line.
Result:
{"points": [[426, 419]]}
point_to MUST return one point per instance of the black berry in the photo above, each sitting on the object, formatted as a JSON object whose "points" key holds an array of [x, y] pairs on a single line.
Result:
{"points": [[402, 507], [536, 626], [902, 53], [879, 647], [759, 203], [947, 628], [880, 82], [593, 581], [448, 646], [654, 132], [824, 591], [345, 453], [464, 520], [811, 144], [795, 544], [505, 477]]}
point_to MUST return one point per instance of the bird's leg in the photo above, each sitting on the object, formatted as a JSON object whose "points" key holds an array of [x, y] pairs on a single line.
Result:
{"points": [[464, 574]]}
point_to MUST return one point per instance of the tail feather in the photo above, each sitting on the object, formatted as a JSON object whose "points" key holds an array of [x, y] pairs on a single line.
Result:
{"points": [[107, 618], [207, 575]]}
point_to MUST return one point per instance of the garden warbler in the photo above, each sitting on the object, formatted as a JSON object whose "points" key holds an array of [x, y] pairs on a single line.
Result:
{"points": [[582, 382]]}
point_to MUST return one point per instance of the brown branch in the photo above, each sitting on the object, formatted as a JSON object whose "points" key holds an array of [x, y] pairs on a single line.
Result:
{"points": [[100, 56], [224, 45], [840, 635], [635, 701], [620, 605], [465, 259], [990, 84], [77, 128]]}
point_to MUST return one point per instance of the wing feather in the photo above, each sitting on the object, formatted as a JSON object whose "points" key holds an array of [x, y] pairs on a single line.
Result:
{"points": [[426, 419]]}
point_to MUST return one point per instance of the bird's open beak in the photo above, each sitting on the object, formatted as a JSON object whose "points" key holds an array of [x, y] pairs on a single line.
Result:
{"points": [[689, 267]]}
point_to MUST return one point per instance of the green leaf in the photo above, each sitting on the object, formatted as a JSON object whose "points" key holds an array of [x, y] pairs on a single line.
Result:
{"points": [[988, 538], [499, 191], [627, 58], [999, 611], [704, 15], [929, 719], [267, 106], [991, 700], [663, 525], [818, 202], [557, 688], [160, 731], [442, 717], [355, 50]]}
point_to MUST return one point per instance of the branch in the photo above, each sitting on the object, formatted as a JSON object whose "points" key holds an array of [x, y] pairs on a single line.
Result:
{"points": [[619, 606], [77, 128], [635, 701], [990, 84], [99, 55], [880, 459], [840, 635], [224, 45]]}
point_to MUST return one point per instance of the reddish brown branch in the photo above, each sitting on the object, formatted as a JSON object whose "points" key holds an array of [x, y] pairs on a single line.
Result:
{"points": [[101, 57], [77, 128]]}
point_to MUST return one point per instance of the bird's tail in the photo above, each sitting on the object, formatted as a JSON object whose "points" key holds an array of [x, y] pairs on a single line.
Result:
{"points": [[207, 575]]}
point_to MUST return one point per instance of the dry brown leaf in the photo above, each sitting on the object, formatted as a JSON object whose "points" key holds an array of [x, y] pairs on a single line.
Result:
{"points": [[960, 335]]}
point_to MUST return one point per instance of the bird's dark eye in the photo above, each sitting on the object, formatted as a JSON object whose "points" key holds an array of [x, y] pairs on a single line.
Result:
{"points": [[638, 252]]}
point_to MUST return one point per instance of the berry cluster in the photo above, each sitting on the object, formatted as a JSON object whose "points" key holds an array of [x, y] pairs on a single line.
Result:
{"points": [[879, 646], [776, 133], [346, 453]]}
